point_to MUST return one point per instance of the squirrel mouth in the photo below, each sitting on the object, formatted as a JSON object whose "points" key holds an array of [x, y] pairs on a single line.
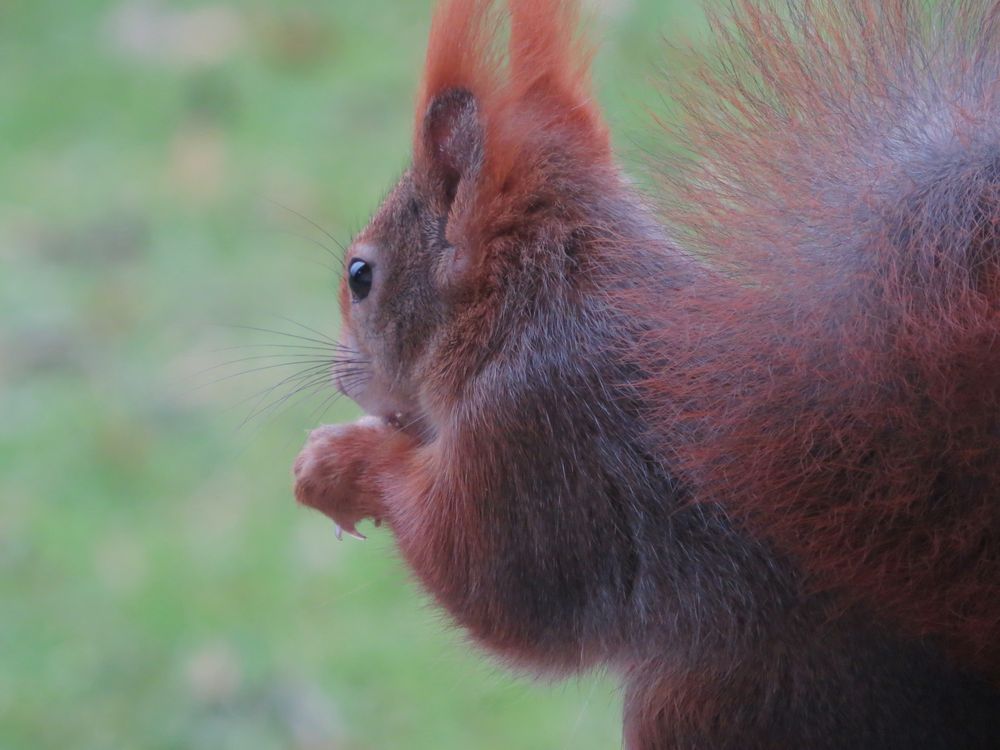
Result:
{"points": [[409, 423], [397, 420], [381, 404]]}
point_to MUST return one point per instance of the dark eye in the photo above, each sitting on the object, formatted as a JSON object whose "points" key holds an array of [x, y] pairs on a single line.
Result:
{"points": [[359, 278]]}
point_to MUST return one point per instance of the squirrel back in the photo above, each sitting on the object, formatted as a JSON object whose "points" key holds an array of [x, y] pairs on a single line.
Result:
{"points": [[842, 396]]}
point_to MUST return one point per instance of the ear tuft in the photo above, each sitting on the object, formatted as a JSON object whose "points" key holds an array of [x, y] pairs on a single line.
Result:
{"points": [[550, 63], [538, 93]]}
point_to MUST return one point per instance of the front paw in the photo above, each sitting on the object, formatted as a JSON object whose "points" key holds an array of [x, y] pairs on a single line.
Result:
{"points": [[332, 472]]}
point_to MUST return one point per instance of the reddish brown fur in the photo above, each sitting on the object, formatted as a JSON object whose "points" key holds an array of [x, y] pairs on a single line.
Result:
{"points": [[844, 396], [750, 462]]}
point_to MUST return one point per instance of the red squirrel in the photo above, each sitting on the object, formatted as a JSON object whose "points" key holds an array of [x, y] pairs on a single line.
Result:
{"points": [[738, 442]]}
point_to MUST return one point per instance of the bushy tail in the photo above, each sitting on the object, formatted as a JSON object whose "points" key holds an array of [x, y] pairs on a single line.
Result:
{"points": [[839, 380]]}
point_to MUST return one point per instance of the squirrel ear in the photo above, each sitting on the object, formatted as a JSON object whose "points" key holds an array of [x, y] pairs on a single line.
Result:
{"points": [[451, 147]]}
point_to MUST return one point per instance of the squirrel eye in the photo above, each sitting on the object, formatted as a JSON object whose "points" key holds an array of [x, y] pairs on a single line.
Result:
{"points": [[359, 278]]}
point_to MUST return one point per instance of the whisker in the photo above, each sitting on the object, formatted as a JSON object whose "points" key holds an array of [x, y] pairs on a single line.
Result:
{"points": [[310, 387], [273, 346], [357, 364], [323, 369], [311, 330], [291, 359], [305, 218], [354, 378], [316, 358], [251, 370], [325, 266], [320, 373], [324, 342], [313, 240], [317, 416], [303, 381]]}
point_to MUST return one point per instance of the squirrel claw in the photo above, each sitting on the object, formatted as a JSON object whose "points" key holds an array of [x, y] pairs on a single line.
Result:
{"points": [[356, 534], [339, 532]]}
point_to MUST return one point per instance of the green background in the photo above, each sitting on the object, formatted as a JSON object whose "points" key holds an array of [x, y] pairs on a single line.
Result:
{"points": [[158, 586]]}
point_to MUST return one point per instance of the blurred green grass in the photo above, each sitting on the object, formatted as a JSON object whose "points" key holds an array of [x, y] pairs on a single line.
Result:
{"points": [[158, 587]]}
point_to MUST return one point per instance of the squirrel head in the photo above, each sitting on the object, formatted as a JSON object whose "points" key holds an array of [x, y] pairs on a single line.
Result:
{"points": [[507, 152]]}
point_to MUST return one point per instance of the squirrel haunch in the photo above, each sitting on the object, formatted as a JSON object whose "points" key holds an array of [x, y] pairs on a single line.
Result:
{"points": [[847, 400], [741, 445]]}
